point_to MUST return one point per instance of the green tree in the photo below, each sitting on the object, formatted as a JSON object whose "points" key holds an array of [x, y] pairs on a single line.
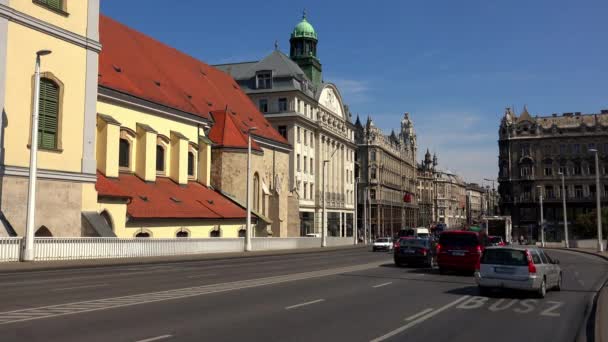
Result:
{"points": [[586, 225]]}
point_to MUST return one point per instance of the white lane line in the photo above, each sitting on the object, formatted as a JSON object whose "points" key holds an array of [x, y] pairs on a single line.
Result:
{"points": [[304, 304], [420, 320], [201, 275], [79, 287], [157, 338], [383, 284], [421, 313]]}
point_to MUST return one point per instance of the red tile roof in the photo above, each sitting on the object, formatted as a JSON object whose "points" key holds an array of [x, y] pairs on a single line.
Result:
{"points": [[136, 64], [226, 130], [166, 199]]}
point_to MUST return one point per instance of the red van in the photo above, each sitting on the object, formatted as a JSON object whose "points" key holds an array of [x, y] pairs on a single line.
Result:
{"points": [[459, 250]]}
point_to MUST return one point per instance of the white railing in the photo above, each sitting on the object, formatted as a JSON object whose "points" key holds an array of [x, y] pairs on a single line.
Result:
{"points": [[9, 248], [52, 248], [333, 241], [265, 244], [99, 247]]}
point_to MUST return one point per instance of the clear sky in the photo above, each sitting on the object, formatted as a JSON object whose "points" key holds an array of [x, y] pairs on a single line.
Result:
{"points": [[454, 65]]}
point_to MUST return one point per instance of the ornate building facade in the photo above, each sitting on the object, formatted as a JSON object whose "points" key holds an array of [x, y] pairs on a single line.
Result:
{"points": [[426, 191], [451, 199], [476, 202], [387, 173], [309, 113], [534, 152]]}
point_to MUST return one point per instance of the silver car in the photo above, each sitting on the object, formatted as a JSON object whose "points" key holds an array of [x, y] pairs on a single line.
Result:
{"points": [[521, 268]]}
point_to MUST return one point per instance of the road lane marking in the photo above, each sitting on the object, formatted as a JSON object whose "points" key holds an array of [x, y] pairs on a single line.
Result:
{"points": [[201, 275], [152, 297], [419, 320], [421, 313], [79, 287], [383, 284], [157, 338], [304, 304]]}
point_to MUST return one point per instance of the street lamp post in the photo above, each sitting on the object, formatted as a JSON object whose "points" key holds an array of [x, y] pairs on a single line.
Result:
{"points": [[542, 218], [565, 211], [355, 222], [491, 196], [28, 247], [600, 244], [248, 247], [323, 216]]}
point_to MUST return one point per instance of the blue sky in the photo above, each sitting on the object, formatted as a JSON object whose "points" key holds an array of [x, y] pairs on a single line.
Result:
{"points": [[454, 65]]}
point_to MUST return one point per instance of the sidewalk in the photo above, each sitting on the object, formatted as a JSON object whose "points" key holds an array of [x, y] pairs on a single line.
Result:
{"points": [[8, 267]]}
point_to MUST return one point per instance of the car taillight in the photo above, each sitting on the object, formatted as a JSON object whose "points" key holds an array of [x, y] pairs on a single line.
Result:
{"points": [[396, 245], [438, 248], [531, 266], [424, 251], [479, 249]]}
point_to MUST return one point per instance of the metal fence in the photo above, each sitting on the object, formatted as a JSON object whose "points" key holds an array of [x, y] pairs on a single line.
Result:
{"points": [[52, 248]]}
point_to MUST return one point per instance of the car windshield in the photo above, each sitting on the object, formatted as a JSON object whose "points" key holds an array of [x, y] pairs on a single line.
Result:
{"points": [[458, 240], [495, 239], [383, 240], [414, 242], [510, 257], [423, 235]]}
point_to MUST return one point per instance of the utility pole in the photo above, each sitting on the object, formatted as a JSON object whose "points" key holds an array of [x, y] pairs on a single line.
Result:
{"points": [[542, 219], [248, 246], [564, 194], [600, 240]]}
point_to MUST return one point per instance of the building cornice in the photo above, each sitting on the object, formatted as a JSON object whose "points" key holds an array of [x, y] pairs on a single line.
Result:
{"points": [[18, 171], [52, 30], [114, 96], [264, 142]]}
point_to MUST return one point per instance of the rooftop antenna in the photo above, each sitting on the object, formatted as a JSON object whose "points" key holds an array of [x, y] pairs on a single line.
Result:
{"points": [[304, 14], [276, 44]]}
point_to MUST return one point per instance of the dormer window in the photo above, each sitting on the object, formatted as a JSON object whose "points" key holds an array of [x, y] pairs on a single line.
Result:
{"points": [[264, 80]]}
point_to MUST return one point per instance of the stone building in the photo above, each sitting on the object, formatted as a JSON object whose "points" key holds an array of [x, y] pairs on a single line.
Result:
{"points": [[451, 199], [426, 192], [476, 196], [311, 115], [534, 151], [387, 172]]}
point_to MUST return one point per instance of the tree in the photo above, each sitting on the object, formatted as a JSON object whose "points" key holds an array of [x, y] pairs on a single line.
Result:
{"points": [[586, 225]]}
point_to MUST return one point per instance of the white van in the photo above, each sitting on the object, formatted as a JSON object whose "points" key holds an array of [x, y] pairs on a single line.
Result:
{"points": [[422, 233]]}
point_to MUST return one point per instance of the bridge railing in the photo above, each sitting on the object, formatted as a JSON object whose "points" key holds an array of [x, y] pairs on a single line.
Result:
{"points": [[59, 248]]}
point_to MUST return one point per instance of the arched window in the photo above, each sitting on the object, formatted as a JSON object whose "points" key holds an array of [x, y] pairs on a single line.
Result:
{"points": [[142, 235], [160, 158], [43, 232], [256, 191], [191, 164], [215, 233], [124, 155], [182, 234], [48, 119]]}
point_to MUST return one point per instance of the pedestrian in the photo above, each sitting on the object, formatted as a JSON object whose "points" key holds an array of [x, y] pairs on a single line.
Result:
{"points": [[521, 239]]}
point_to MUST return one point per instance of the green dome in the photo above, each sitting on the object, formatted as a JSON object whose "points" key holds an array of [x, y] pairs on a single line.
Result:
{"points": [[304, 30]]}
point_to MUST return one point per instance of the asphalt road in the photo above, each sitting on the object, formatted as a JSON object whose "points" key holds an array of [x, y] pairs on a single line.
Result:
{"points": [[345, 295]]}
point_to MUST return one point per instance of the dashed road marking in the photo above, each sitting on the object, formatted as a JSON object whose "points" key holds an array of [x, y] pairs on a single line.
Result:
{"points": [[79, 287], [304, 304], [201, 275], [419, 320], [157, 338], [151, 297], [421, 313], [383, 284]]}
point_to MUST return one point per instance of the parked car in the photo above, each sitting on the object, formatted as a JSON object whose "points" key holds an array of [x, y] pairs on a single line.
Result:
{"points": [[315, 235], [382, 244], [496, 241], [408, 251], [458, 250], [518, 267]]}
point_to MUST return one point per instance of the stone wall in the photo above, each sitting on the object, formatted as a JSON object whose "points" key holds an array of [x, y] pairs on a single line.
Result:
{"points": [[58, 205]]}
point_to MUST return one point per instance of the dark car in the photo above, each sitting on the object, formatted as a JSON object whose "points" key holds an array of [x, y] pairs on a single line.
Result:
{"points": [[411, 251], [459, 250]]}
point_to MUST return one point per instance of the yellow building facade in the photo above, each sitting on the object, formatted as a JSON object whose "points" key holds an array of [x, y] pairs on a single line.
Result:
{"points": [[66, 157]]}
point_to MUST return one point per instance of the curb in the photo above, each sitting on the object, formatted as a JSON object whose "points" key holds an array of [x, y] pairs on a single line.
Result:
{"points": [[118, 262], [599, 302]]}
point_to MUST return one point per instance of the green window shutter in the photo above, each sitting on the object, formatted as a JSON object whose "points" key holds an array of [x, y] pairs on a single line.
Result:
{"points": [[56, 4], [48, 114]]}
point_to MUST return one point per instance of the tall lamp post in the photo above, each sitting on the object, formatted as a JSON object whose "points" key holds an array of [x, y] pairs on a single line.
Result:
{"points": [[600, 244], [355, 223], [565, 211], [491, 195], [542, 218], [248, 247], [28, 247], [323, 216]]}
